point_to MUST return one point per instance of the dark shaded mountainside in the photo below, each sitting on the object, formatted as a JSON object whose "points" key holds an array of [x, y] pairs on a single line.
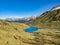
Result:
{"points": [[49, 19]]}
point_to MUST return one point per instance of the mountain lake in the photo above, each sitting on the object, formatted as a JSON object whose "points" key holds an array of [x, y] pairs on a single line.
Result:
{"points": [[31, 29]]}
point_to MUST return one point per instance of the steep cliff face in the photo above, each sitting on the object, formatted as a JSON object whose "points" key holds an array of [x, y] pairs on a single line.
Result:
{"points": [[51, 18]]}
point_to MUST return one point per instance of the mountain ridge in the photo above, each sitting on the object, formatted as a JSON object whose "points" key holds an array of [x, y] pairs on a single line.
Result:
{"points": [[13, 33], [49, 19], [21, 20]]}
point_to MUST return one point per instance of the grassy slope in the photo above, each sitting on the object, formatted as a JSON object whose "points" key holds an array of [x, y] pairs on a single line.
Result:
{"points": [[47, 37], [12, 33], [47, 20], [50, 36]]}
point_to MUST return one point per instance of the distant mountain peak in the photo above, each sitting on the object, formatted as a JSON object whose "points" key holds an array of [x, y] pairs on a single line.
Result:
{"points": [[56, 8], [23, 20]]}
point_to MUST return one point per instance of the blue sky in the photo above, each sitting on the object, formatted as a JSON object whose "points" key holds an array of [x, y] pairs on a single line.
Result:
{"points": [[23, 8]]}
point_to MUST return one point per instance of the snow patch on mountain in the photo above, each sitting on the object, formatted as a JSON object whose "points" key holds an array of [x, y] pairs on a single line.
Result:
{"points": [[24, 19], [56, 8]]}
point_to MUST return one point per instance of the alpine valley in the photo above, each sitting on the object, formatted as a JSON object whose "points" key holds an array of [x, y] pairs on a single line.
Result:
{"points": [[46, 26]]}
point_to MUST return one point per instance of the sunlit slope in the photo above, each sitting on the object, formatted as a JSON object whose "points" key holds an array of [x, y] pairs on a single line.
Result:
{"points": [[49, 19], [47, 37], [12, 33]]}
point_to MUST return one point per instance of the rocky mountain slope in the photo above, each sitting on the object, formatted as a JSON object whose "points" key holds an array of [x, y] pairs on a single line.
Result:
{"points": [[49, 19]]}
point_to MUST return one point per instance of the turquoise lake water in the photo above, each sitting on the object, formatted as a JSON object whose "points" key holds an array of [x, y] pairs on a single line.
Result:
{"points": [[31, 29]]}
